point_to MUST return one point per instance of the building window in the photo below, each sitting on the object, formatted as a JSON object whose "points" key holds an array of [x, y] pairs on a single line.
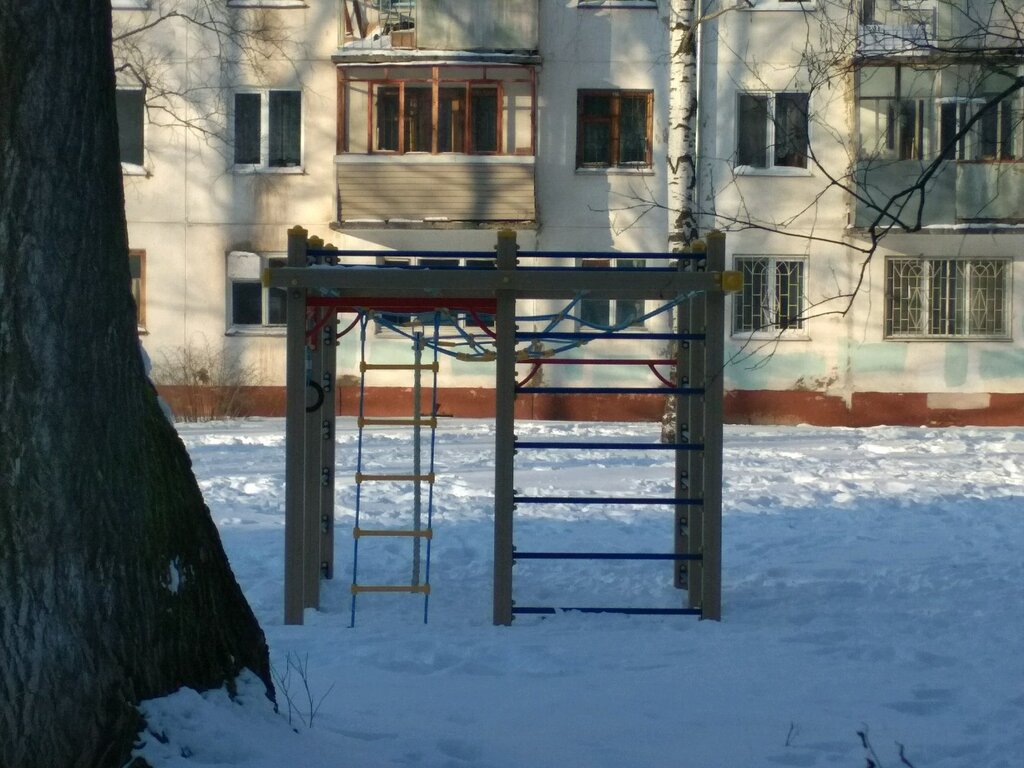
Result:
{"points": [[996, 128], [426, 321], [465, 121], [613, 129], [137, 268], [268, 129], [895, 112], [947, 298], [772, 130], [131, 112], [772, 298], [607, 313], [250, 304]]}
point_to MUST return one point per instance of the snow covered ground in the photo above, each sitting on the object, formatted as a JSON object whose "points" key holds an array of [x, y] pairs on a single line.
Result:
{"points": [[873, 581]]}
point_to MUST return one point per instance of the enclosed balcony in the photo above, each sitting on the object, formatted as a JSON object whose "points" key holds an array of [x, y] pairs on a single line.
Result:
{"points": [[450, 144], [939, 146]]}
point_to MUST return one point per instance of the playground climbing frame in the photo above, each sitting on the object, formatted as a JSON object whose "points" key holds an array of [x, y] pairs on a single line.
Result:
{"points": [[319, 287]]}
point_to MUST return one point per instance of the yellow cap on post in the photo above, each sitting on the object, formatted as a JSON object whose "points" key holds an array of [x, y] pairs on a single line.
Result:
{"points": [[732, 281]]}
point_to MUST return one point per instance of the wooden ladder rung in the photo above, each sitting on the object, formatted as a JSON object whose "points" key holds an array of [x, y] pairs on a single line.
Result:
{"points": [[421, 589], [424, 533], [392, 421], [432, 367], [364, 478]]}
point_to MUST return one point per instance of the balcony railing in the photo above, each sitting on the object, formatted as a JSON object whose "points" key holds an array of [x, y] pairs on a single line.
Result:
{"points": [[896, 29]]}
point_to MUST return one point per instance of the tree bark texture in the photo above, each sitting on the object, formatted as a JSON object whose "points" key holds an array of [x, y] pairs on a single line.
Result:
{"points": [[114, 586], [682, 124]]}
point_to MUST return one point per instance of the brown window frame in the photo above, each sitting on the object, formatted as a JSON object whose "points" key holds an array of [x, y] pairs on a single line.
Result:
{"points": [[436, 86], [612, 119]]}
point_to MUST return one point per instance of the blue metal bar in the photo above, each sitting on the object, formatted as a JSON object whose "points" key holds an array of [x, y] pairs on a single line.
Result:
{"points": [[628, 611], [628, 270], [612, 390], [585, 445], [606, 500], [363, 321], [603, 556], [570, 335], [608, 255]]}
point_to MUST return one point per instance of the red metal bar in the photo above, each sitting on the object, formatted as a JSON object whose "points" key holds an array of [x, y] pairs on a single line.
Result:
{"points": [[394, 304]]}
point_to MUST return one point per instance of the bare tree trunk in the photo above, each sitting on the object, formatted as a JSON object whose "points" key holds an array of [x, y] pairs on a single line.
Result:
{"points": [[682, 151], [113, 583], [682, 124]]}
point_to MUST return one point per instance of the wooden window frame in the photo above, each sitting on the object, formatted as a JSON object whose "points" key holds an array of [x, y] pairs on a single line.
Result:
{"points": [[436, 84], [616, 95]]}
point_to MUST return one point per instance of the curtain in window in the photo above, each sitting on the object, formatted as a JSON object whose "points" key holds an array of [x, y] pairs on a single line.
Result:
{"points": [[791, 130]]}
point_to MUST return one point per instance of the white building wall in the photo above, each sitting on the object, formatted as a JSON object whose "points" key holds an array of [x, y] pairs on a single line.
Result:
{"points": [[795, 213]]}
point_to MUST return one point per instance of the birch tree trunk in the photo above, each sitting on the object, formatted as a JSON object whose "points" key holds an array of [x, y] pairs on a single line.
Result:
{"points": [[682, 124], [113, 583], [682, 150]]}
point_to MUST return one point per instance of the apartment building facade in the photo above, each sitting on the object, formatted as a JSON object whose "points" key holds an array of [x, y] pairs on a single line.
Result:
{"points": [[862, 166]]}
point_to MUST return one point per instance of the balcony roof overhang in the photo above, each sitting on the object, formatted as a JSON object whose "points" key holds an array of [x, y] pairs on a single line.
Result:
{"points": [[355, 55]]}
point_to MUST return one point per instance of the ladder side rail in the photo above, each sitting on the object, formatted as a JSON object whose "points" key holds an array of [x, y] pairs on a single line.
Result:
{"points": [[430, 471], [692, 520], [711, 531], [311, 477], [504, 433], [417, 455], [328, 446], [294, 600], [363, 322]]}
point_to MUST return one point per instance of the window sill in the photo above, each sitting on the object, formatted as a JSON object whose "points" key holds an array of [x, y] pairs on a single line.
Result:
{"points": [[131, 169], [746, 336], [129, 5], [257, 330], [615, 170], [426, 158], [267, 4], [779, 170], [949, 339], [245, 170], [629, 4], [775, 5]]}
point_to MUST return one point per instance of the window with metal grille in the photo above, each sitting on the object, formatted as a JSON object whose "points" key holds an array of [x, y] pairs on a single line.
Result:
{"points": [[947, 298], [772, 298]]}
